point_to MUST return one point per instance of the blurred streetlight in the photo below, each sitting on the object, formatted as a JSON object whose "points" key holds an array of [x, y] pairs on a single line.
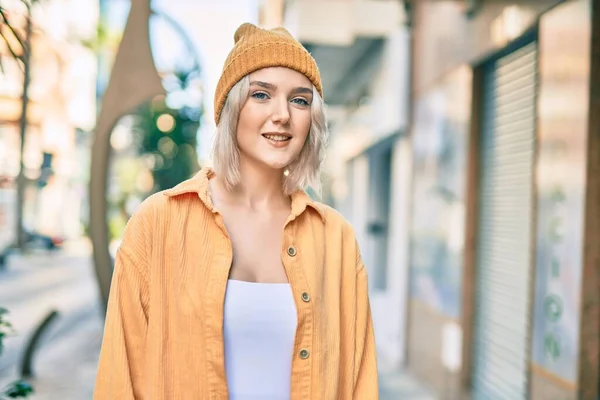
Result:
{"points": [[165, 123]]}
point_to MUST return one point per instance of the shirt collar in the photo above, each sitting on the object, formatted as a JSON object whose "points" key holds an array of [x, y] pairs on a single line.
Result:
{"points": [[199, 184]]}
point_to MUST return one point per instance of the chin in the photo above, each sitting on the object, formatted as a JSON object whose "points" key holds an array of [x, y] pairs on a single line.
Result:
{"points": [[276, 164]]}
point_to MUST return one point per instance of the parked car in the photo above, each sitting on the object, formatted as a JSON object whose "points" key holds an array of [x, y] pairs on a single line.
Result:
{"points": [[8, 221], [37, 240]]}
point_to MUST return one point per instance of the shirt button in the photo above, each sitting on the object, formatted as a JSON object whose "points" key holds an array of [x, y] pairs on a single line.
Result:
{"points": [[305, 297], [291, 251], [304, 354]]}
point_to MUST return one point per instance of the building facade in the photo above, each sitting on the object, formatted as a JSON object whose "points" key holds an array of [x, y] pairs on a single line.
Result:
{"points": [[503, 258], [465, 151], [60, 109]]}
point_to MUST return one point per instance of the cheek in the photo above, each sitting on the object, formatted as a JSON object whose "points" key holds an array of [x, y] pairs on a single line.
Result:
{"points": [[246, 119], [302, 126], [249, 123]]}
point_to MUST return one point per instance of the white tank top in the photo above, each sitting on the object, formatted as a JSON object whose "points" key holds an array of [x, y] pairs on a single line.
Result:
{"points": [[259, 328]]}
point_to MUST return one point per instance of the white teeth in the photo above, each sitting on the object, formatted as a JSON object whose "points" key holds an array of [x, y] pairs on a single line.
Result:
{"points": [[277, 138]]}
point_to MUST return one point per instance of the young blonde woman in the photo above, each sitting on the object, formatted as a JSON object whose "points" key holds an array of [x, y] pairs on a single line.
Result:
{"points": [[235, 284]]}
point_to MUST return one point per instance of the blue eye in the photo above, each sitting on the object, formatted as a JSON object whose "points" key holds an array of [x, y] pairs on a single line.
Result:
{"points": [[301, 101], [260, 95]]}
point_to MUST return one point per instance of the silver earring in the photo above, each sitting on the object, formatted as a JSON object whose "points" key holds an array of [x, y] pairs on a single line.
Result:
{"points": [[286, 172]]}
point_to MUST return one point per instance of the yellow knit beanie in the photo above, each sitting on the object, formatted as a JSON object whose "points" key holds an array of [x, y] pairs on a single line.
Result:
{"points": [[257, 48]]}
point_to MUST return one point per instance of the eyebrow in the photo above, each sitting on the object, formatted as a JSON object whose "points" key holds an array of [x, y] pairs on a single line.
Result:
{"points": [[270, 86], [301, 89], [265, 85]]}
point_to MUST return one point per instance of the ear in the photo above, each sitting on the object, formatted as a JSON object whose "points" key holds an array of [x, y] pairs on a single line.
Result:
{"points": [[244, 30]]}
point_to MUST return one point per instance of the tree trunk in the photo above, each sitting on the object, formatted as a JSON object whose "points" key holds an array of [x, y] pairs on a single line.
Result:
{"points": [[21, 180]]}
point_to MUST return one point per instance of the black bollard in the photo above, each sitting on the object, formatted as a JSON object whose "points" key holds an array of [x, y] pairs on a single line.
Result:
{"points": [[32, 344]]}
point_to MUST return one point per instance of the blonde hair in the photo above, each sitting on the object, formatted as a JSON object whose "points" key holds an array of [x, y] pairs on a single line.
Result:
{"points": [[304, 171]]}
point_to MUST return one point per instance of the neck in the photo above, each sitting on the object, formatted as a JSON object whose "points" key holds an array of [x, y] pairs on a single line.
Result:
{"points": [[260, 187]]}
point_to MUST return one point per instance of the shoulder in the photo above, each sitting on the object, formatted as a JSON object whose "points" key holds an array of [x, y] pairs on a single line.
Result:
{"points": [[336, 224], [145, 214], [141, 224], [340, 238], [153, 212], [162, 203], [151, 217], [332, 217]]}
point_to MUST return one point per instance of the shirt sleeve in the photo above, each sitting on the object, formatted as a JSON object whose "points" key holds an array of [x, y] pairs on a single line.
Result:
{"points": [[366, 385], [122, 356]]}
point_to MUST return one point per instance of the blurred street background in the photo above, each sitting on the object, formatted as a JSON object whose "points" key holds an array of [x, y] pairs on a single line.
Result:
{"points": [[464, 150]]}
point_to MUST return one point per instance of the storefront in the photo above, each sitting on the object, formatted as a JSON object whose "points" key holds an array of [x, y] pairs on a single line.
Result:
{"points": [[500, 247]]}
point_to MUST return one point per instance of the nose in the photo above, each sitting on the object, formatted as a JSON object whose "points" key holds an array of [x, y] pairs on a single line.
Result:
{"points": [[281, 112]]}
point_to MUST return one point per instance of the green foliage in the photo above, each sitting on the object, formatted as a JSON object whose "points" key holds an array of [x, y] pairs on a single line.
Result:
{"points": [[102, 39], [19, 389], [162, 154], [173, 150], [5, 328]]}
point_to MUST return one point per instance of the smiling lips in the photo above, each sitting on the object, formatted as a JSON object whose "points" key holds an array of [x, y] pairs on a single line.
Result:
{"points": [[277, 140]]}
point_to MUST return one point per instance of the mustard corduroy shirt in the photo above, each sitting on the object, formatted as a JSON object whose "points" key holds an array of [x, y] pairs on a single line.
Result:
{"points": [[163, 337]]}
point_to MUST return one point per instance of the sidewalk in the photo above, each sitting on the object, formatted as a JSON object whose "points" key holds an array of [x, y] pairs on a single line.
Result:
{"points": [[34, 284], [400, 385], [67, 369]]}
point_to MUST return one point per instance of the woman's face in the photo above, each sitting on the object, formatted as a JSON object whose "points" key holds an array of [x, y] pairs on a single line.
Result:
{"points": [[275, 119]]}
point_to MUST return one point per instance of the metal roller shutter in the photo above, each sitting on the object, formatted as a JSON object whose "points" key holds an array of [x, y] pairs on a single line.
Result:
{"points": [[502, 321]]}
